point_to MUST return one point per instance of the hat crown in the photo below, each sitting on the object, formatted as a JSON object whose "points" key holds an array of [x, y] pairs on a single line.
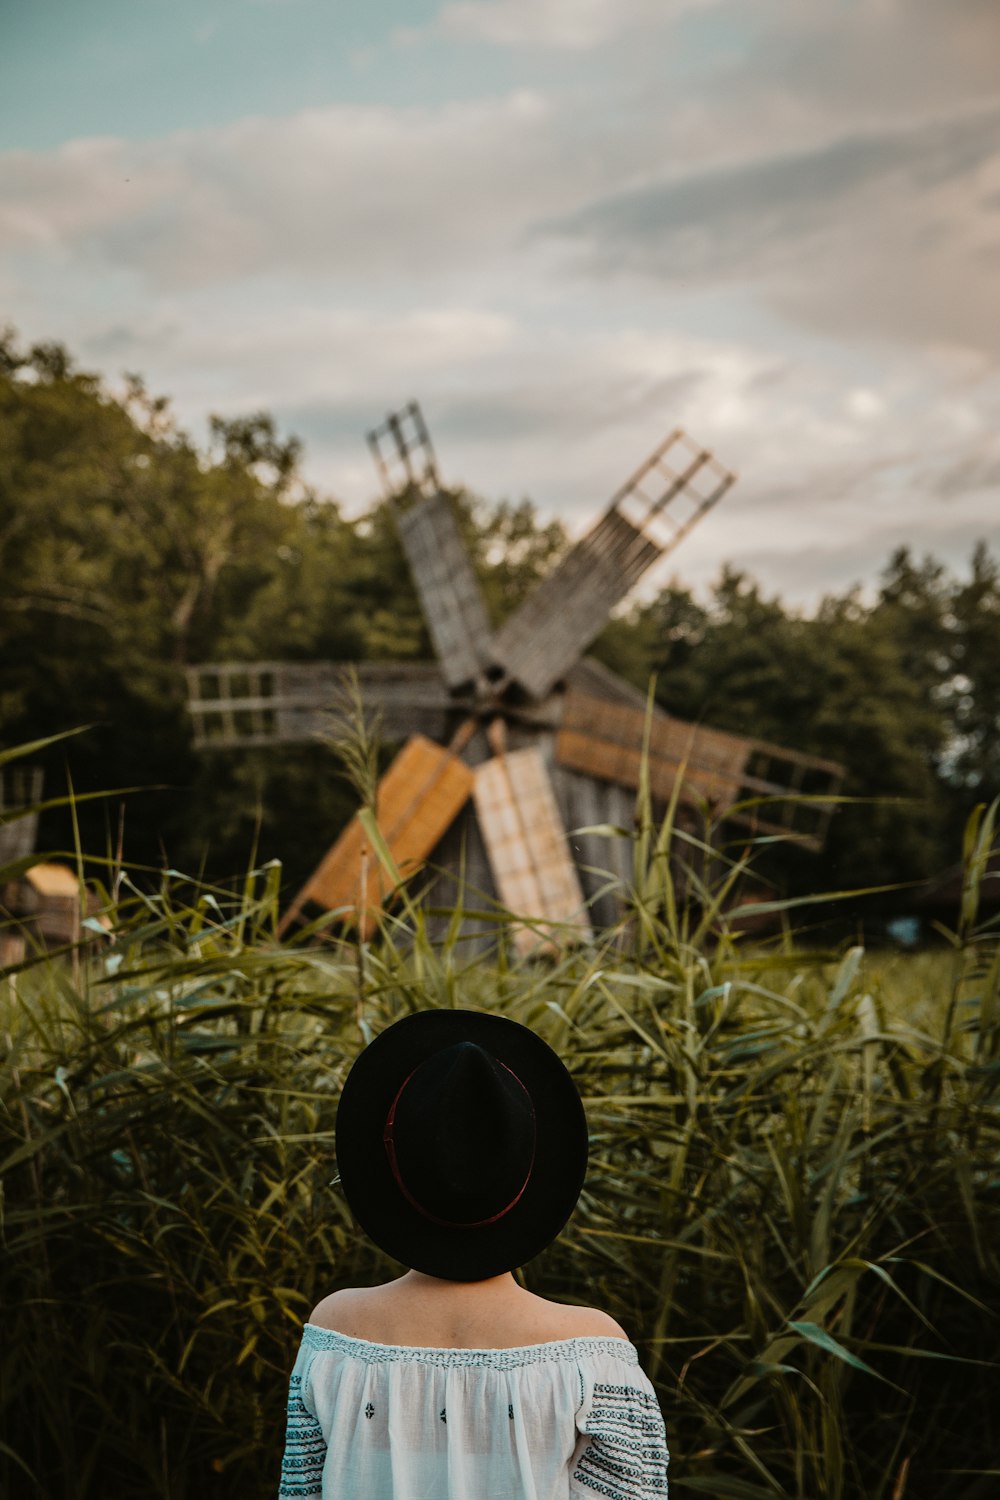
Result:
{"points": [[461, 1142], [463, 1135]]}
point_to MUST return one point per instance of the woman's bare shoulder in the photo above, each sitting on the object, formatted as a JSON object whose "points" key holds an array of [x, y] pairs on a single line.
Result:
{"points": [[341, 1310], [581, 1322]]}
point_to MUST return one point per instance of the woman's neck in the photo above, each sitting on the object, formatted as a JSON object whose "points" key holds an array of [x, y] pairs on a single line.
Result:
{"points": [[434, 1286]]}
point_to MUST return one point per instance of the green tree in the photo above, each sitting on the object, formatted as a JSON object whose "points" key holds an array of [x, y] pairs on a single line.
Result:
{"points": [[914, 605], [126, 554]]}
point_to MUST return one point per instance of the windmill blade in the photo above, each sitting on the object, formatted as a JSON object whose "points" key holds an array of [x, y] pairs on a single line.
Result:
{"points": [[605, 740], [677, 485], [445, 580], [527, 849], [242, 704], [416, 801]]}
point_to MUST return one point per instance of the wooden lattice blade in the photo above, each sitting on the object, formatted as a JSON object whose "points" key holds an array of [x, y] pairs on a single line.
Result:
{"points": [[417, 799], [606, 740], [241, 704], [542, 640], [403, 453], [448, 588], [650, 514], [527, 850], [442, 570]]}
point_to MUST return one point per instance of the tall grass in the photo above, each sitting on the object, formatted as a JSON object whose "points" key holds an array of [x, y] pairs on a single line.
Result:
{"points": [[793, 1204]]}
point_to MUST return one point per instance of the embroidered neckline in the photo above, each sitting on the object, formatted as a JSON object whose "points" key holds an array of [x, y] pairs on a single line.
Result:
{"points": [[315, 1337]]}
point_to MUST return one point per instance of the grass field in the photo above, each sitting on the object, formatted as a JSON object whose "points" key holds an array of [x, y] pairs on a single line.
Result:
{"points": [[793, 1203]]}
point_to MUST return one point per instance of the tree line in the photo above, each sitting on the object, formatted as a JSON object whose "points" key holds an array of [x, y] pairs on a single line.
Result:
{"points": [[128, 552]]}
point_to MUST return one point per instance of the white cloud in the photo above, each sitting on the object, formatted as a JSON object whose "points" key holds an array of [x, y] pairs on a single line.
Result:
{"points": [[303, 351], [866, 405], [572, 25], [363, 191]]}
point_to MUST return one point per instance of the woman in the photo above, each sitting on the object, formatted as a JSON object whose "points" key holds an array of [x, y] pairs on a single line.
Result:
{"points": [[462, 1148]]}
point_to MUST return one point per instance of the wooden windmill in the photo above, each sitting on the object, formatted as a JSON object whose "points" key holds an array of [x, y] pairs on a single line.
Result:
{"points": [[513, 737]]}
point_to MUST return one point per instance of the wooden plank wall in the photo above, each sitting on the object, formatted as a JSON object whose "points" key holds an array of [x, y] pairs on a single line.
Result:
{"points": [[600, 859], [458, 875]]}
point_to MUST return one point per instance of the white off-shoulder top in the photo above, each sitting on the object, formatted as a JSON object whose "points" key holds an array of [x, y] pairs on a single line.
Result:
{"points": [[567, 1420]]}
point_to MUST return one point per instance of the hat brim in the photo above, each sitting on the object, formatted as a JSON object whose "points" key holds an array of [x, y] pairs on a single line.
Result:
{"points": [[558, 1170]]}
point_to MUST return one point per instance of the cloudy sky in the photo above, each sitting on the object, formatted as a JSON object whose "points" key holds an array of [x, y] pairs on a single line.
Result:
{"points": [[566, 226]]}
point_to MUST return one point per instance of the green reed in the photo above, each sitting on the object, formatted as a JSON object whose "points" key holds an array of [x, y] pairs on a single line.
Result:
{"points": [[793, 1203]]}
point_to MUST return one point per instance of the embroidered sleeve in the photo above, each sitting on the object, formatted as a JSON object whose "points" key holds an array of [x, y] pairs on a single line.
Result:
{"points": [[305, 1446], [626, 1458]]}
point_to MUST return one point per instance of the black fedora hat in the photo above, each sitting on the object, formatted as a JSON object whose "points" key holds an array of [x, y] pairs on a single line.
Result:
{"points": [[461, 1143]]}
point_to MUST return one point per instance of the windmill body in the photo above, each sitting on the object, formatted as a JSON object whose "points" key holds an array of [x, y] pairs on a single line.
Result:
{"points": [[515, 741]]}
